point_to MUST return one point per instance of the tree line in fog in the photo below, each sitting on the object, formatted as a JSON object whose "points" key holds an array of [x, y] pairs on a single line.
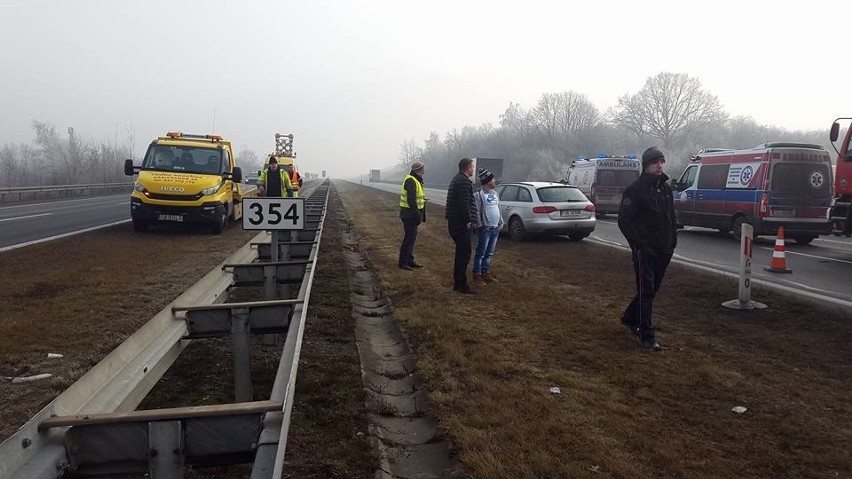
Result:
{"points": [[671, 111], [66, 158], [63, 159]]}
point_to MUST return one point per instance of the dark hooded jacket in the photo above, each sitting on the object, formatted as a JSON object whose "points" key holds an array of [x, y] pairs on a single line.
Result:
{"points": [[646, 216]]}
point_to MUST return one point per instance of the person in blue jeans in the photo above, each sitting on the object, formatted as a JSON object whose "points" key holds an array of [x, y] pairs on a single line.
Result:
{"points": [[488, 224]]}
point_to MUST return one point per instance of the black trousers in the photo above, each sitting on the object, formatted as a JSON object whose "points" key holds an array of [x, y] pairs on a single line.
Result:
{"points": [[406, 249], [649, 268], [461, 236]]}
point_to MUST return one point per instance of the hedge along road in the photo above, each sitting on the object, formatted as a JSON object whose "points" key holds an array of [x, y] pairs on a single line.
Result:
{"points": [[822, 271]]}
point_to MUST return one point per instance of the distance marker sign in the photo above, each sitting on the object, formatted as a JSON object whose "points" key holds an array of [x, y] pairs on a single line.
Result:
{"points": [[273, 213]]}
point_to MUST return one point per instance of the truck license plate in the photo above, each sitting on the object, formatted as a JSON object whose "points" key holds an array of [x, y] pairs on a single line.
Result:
{"points": [[177, 218]]}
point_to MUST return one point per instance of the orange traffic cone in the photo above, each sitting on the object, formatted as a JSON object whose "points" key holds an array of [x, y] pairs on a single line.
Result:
{"points": [[779, 257]]}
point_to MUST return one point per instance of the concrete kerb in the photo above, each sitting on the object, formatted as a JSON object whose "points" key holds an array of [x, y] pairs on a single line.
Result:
{"points": [[828, 302]]}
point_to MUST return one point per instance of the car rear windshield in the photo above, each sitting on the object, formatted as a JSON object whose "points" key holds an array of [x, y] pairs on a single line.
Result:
{"points": [[617, 177], [557, 194], [801, 179]]}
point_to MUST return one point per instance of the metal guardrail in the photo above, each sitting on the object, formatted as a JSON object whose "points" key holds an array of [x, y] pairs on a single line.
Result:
{"points": [[92, 428], [18, 193]]}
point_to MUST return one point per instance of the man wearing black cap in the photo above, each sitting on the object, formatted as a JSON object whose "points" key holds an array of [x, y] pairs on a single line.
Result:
{"points": [[274, 182], [412, 212], [646, 218]]}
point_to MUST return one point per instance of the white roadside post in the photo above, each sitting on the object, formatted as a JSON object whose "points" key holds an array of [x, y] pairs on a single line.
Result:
{"points": [[744, 302]]}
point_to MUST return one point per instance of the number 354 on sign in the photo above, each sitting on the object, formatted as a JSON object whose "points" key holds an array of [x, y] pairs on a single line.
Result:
{"points": [[273, 213]]}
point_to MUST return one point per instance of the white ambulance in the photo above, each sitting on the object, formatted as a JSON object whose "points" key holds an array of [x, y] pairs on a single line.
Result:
{"points": [[603, 179]]}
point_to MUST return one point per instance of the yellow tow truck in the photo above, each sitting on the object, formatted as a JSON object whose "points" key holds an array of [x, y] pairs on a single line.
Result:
{"points": [[186, 178]]}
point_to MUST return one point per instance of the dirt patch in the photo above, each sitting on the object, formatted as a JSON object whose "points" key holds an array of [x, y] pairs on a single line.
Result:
{"points": [[490, 359]]}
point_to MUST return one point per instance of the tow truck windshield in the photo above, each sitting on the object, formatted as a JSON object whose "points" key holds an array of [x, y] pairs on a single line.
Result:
{"points": [[205, 161]]}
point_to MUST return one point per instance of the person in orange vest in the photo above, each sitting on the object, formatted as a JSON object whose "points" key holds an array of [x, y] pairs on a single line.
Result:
{"points": [[412, 212], [295, 179], [274, 182]]}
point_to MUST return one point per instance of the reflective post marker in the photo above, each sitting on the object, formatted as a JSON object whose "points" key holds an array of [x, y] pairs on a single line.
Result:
{"points": [[744, 301]]}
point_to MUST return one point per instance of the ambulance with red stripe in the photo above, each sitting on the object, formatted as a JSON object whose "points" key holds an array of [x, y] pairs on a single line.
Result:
{"points": [[768, 186]]}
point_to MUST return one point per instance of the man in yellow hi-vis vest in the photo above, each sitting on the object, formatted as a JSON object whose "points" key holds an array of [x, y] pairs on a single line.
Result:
{"points": [[274, 181], [412, 212]]}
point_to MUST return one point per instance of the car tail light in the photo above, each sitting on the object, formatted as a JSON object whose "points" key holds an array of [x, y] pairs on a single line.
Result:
{"points": [[763, 209], [592, 191], [590, 208], [543, 209]]}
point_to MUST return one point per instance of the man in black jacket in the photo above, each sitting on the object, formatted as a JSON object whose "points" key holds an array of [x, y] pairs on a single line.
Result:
{"points": [[461, 216], [646, 218], [412, 212]]}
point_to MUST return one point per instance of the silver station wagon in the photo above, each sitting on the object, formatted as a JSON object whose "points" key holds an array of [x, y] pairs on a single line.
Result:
{"points": [[532, 207]]}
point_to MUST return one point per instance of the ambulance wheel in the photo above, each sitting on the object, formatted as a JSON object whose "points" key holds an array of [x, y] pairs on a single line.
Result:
{"points": [[737, 228], [516, 229], [803, 240]]}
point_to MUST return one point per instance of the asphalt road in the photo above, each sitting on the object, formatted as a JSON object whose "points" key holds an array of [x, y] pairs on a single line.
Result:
{"points": [[27, 223], [823, 268]]}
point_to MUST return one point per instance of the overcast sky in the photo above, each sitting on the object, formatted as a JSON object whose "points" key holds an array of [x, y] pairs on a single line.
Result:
{"points": [[354, 79]]}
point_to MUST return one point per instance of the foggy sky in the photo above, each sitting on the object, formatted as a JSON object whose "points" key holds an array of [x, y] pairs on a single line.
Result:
{"points": [[353, 80]]}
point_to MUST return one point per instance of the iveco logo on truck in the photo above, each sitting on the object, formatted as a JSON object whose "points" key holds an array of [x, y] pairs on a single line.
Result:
{"points": [[173, 189]]}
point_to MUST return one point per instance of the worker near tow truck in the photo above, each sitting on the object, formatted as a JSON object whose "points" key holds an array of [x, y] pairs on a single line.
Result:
{"points": [[273, 181], [295, 178]]}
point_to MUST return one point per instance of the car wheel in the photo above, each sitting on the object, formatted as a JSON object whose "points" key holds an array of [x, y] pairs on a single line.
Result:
{"points": [[221, 223], [140, 225], [803, 240], [516, 229], [577, 236]]}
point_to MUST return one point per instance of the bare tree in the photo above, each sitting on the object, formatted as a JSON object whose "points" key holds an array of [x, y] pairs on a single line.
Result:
{"points": [[409, 153], [547, 113], [248, 159], [668, 107], [519, 120]]}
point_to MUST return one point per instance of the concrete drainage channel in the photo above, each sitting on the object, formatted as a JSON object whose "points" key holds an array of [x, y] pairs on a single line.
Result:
{"points": [[406, 438]]}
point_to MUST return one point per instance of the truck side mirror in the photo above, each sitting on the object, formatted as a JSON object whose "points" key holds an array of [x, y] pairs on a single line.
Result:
{"points": [[128, 167], [237, 174], [835, 132]]}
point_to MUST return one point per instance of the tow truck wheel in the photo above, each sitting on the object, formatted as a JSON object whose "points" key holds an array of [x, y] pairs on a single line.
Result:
{"points": [[140, 225], [221, 223]]}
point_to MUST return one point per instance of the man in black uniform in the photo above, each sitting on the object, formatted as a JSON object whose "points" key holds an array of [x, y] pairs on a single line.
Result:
{"points": [[646, 218], [461, 216]]}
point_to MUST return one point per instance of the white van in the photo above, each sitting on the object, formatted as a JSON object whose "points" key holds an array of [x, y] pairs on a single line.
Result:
{"points": [[603, 179]]}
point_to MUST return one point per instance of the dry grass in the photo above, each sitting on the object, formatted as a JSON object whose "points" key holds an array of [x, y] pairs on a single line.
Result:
{"points": [[82, 296], [489, 360]]}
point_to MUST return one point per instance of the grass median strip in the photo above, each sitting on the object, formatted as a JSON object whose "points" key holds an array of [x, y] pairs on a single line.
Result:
{"points": [[490, 359]]}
